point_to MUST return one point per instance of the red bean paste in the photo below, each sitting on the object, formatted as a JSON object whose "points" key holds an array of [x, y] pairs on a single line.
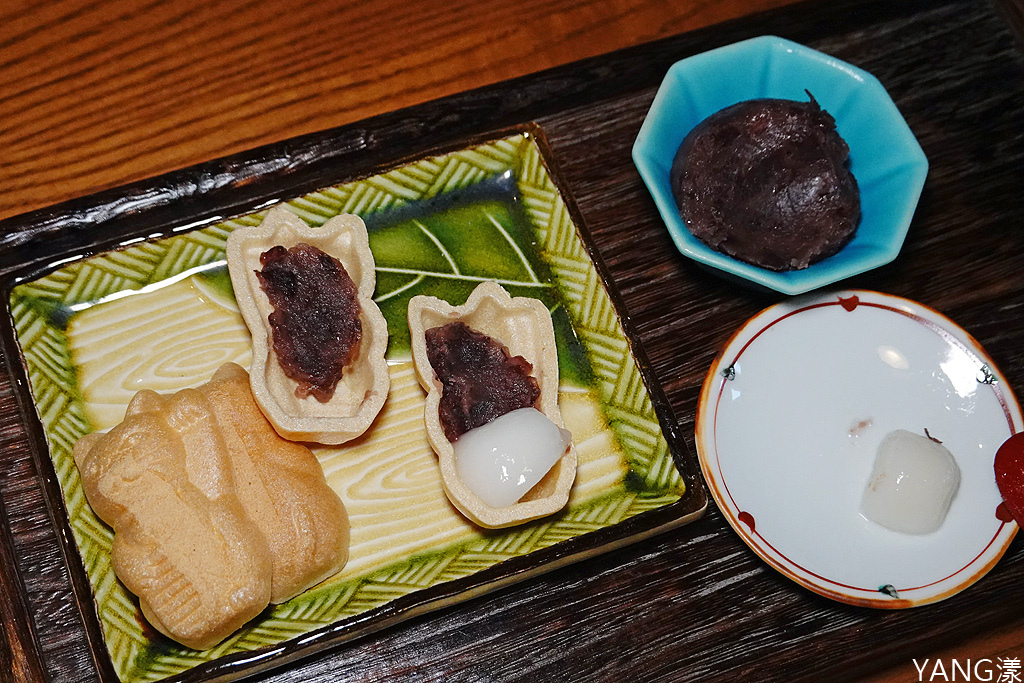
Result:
{"points": [[480, 381], [315, 324], [767, 182]]}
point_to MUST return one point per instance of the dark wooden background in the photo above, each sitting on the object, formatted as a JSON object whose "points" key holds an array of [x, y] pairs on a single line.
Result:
{"points": [[693, 604]]}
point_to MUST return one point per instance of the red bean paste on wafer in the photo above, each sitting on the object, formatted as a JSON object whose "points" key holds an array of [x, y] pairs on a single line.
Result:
{"points": [[315, 325], [480, 380]]}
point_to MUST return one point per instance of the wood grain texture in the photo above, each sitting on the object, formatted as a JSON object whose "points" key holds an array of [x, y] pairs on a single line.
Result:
{"points": [[18, 652], [694, 604], [1012, 12], [97, 93]]}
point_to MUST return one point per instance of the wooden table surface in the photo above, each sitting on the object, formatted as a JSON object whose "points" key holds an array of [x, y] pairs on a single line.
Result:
{"points": [[98, 93]]}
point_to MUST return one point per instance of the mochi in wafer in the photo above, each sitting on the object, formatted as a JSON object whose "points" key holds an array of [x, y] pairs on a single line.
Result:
{"points": [[523, 325]]}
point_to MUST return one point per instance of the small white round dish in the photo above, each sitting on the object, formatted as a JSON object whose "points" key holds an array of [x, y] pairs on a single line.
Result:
{"points": [[790, 418]]}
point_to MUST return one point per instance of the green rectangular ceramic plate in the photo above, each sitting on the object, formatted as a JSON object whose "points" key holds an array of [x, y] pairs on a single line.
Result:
{"points": [[160, 314]]}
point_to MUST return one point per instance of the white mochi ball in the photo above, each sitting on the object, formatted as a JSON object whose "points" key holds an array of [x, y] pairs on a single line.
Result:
{"points": [[912, 484]]}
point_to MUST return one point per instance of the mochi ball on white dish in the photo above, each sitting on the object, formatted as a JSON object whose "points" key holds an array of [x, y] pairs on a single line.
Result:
{"points": [[912, 485]]}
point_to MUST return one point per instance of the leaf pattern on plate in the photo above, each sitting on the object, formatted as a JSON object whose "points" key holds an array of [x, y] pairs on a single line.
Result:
{"points": [[453, 251], [95, 331]]}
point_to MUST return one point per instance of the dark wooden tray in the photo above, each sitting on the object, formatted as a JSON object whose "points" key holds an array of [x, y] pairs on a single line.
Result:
{"points": [[693, 604]]}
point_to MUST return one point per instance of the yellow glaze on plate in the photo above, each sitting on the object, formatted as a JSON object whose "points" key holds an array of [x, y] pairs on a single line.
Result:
{"points": [[385, 477], [524, 326], [122, 347], [363, 388]]}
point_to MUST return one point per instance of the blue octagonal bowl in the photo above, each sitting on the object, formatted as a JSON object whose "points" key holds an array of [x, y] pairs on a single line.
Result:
{"points": [[885, 157]]}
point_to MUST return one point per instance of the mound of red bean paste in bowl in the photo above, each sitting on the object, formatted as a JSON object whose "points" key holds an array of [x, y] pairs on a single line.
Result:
{"points": [[768, 182]]}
